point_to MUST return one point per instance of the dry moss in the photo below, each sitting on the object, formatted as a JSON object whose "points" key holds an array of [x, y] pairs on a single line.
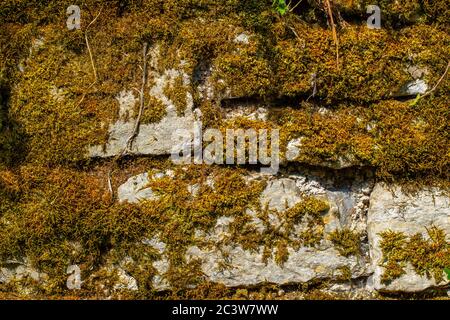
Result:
{"points": [[276, 239], [346, 241], [60, 210], [373, 64], [178, 214], [326, 136], [428, 257], [410, 139], [176, 92], [154, 111], [52, 110]]}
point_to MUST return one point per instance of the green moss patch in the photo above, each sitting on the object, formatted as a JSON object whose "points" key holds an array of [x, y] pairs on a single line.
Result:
{"points": [[347, 242], [429, 257]]}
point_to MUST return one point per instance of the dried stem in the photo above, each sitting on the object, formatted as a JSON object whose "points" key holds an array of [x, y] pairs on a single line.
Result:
{"points": [[110, 185], [439, 81], [295, 6], [89, 47], [135, 131], [129, 143], [333, 28], [90, 56]]}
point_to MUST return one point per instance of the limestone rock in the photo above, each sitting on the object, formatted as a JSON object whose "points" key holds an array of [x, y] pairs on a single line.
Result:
{"points": [[293, 149], [152, 138], [392, 209], [348, 208], [247, 268], [21, 270], [280, 194], [413, 88], [135, 190], [242, 38]]}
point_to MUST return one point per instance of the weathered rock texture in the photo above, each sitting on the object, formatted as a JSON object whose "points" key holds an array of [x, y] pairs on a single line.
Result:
{"points": [[82, 190], [392, 209]]}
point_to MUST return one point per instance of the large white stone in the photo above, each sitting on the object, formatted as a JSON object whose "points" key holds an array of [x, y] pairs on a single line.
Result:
{"points": [[392, 209], [152, 138]]}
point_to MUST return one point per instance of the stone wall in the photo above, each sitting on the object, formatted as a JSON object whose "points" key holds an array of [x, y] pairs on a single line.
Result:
{"points": [[91, 204]]}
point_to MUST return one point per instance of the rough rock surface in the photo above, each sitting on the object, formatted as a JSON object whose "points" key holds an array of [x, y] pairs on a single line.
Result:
{"points": [[70, 111], [248, 268], [347, 209], [20, 270], [154, 138], [392, 209], [134, 190]]}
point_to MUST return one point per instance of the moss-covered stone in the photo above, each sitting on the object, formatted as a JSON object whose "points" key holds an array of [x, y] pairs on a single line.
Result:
{"points": [[428, 257], [52, 107], [346, 241]]}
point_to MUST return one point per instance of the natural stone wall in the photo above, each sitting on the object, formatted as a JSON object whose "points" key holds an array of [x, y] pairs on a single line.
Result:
{"points": [[92, 205], [248, 268]]}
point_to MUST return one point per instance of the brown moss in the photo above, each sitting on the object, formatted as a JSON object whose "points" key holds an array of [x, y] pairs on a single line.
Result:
{"points": [[345, 275], [409, 139], [154, 111], [54, 111], [428, 257], [61, 207], [346, 241], [244, 73], [327, 137], [176, 91], [437, 10]]}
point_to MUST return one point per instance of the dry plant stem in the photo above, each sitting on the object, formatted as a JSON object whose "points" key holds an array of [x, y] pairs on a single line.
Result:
{"points": [[90, 56], [295, 32], [295, 6], [89, 47], [110, 185], [333, 28], [439, 81], [135, 131], [84, 94], [129, 143]]}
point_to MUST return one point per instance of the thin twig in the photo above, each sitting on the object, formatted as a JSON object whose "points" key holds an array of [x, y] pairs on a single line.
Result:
{"points": [[89, 47], [313, 85], [110, 184], [295, 32], [95, 19], [90, 56], [135, 131], [295, 6], [439, 81], [333, 28], [84, 94], [129, 143]]}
